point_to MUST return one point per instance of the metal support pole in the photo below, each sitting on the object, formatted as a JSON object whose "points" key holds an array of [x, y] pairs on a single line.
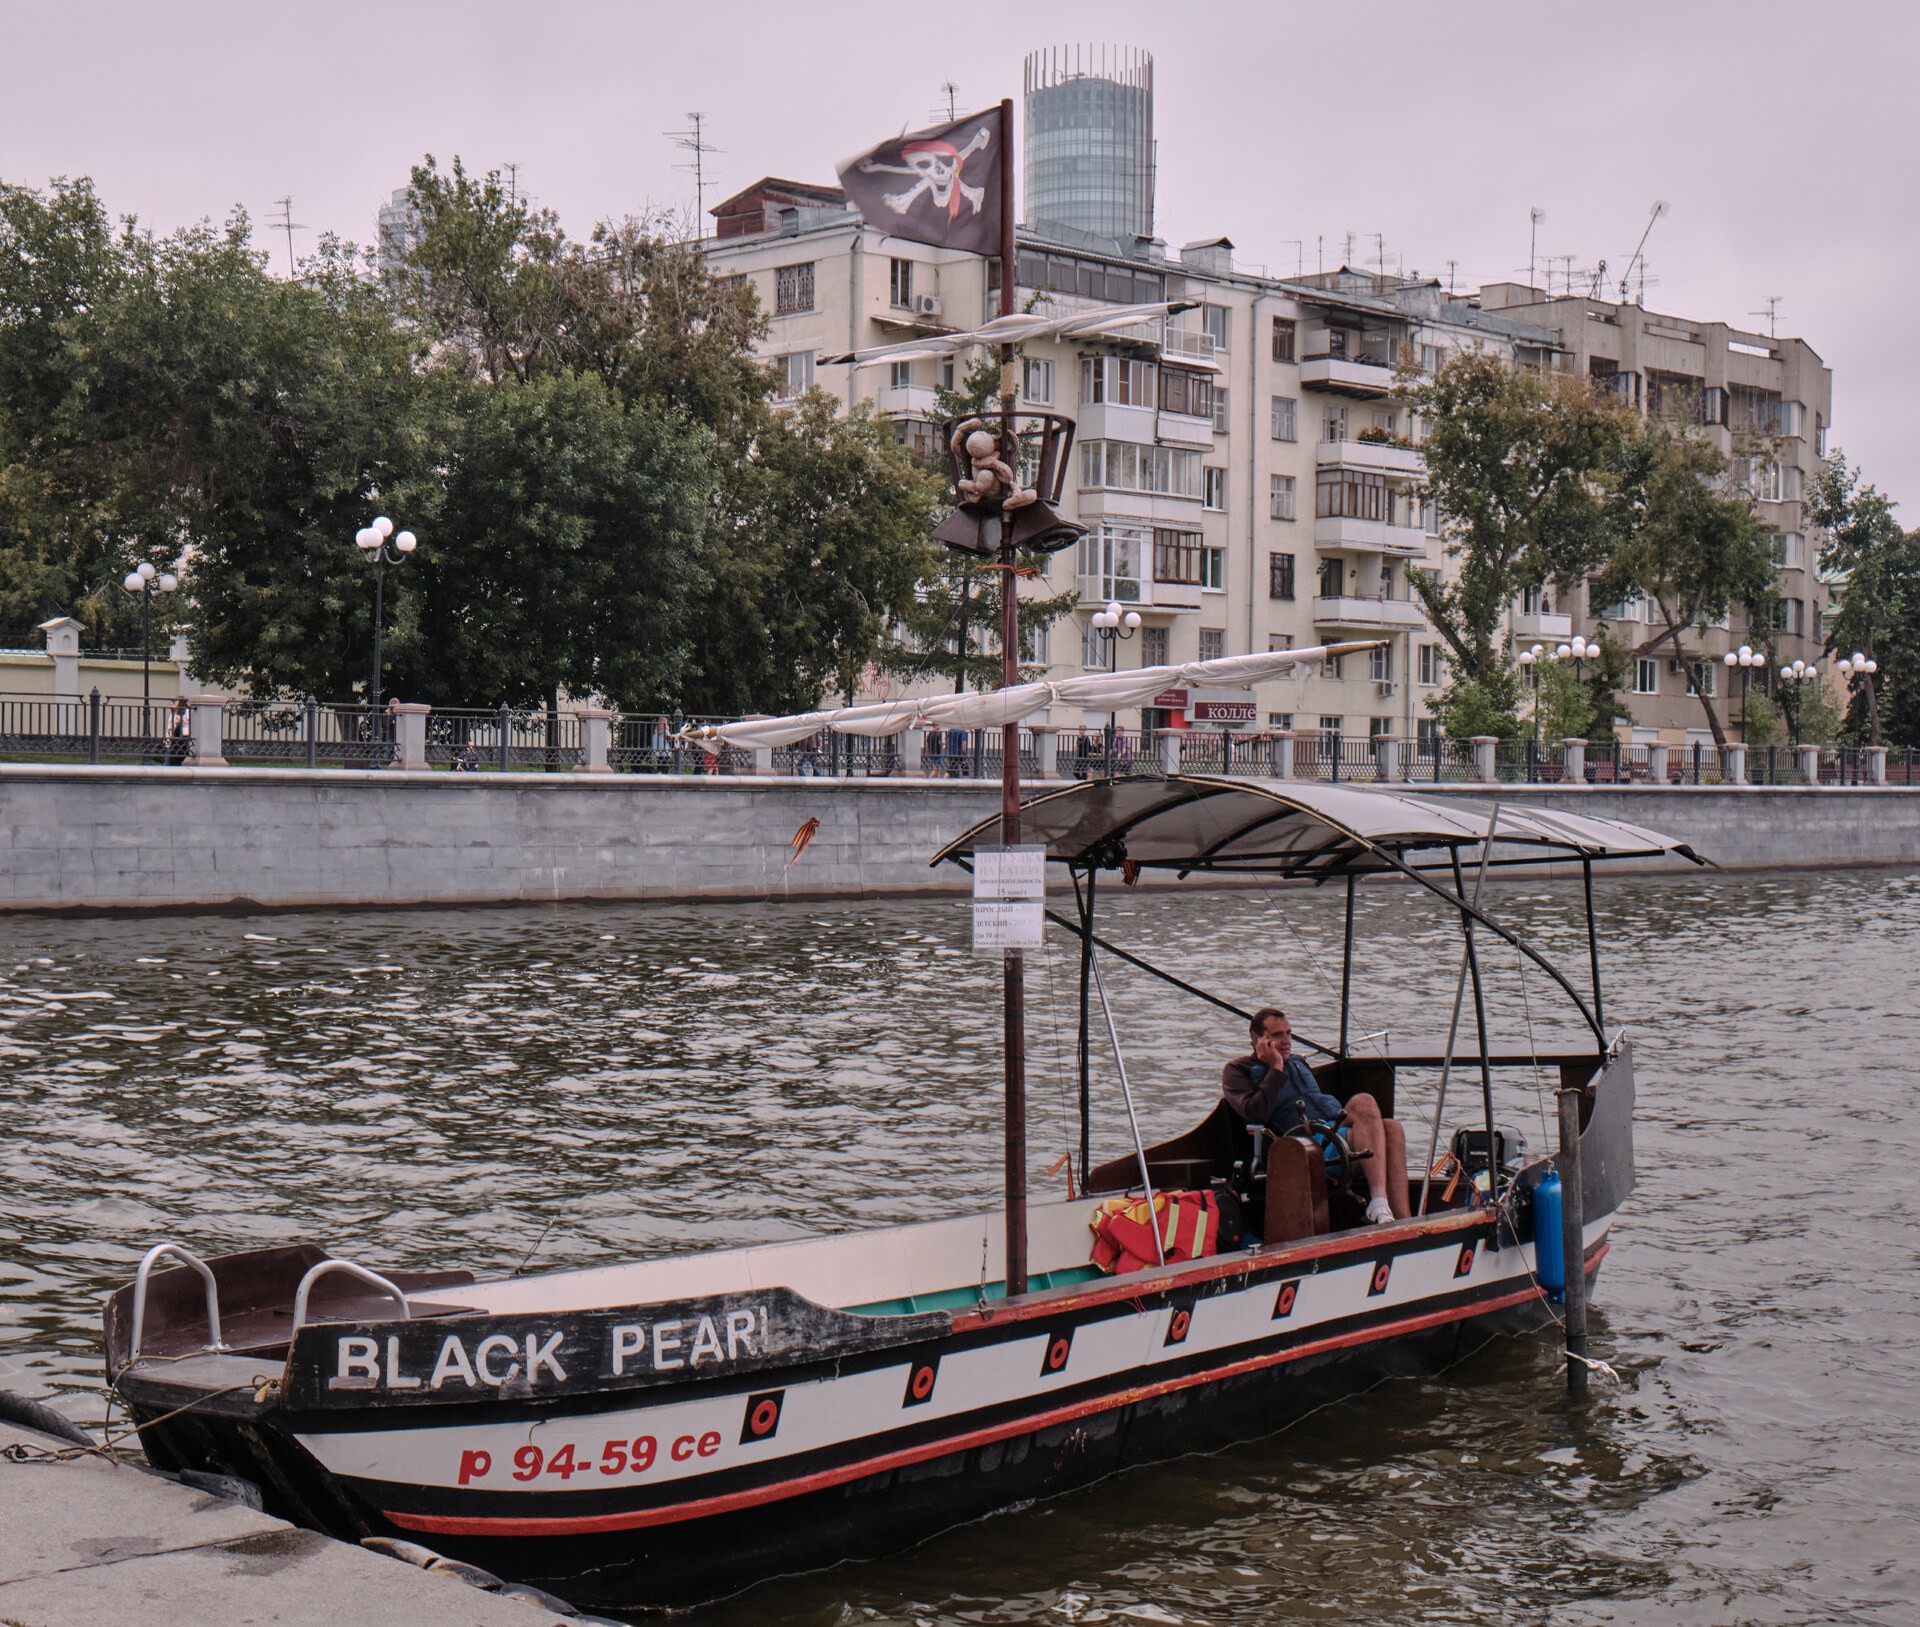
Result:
{"points": [[1086, 1026], [1593, 944], [1572, 1242], [146, 660], [1335, 737], [379, 614], [1479, 1014], [1346, 976], [1013, 965], [93, 711], [313, 731], [506, 739]]}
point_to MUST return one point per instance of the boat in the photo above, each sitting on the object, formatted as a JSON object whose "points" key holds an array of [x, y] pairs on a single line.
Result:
{"points": [[671, 1430]]}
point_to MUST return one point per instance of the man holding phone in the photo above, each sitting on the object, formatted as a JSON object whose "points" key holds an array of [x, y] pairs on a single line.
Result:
{"points": [[1275, 1088]]}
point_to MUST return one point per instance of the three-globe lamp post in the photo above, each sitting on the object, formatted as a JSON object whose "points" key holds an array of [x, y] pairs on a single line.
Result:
{"points": [[1112, 625], [1743, 660], [145, 581], [371, 540]]}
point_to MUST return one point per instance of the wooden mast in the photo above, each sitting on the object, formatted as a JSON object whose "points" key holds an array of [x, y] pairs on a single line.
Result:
{"points": [[1013, 974]]}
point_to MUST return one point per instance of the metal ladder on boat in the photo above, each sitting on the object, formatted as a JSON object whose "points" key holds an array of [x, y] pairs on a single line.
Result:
{"points": [[215, 1344]]}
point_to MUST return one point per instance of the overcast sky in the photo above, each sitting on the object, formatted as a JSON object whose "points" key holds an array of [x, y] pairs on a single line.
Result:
{"points": [[1781, 135]]}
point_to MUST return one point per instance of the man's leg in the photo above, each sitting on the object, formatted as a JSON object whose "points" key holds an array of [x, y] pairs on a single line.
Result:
{"points": [[1386, 1169]]}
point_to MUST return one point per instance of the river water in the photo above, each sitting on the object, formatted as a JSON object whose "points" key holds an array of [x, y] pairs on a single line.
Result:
{"points": [[591, 1082]]}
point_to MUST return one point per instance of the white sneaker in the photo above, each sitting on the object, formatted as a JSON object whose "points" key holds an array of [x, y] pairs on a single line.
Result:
{"points": [[1379, 1212]]}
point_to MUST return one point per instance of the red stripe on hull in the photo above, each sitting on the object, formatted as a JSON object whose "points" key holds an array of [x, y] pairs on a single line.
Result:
{"points": [[575, 1525]]}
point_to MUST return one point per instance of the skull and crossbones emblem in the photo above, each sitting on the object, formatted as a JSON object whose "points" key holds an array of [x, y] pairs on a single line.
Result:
{"points": [[937, 167]]}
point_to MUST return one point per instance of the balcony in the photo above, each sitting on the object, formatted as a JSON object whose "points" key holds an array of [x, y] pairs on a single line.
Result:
{"points": [[907, 401], [1368, 615], [1372, 457], [1189, 346], [1371, 537], [1338, 375], [1541, 624], [1097, 591]]}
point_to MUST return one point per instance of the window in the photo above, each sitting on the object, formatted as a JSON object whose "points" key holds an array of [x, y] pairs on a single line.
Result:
{"points": [[1282, 721], [1285, 415], [899, 375], [1793, 616], [1213, 643], [793, 289], [1789, 550], [794, 375], [1646, 676], [1115, 381], [1379, 727], [1280, 496], [1430, 517], [1037, 381], [1213, 569], [1710, 668], [1380, 664], [1430, 665], [1153, 647], [1333, 578], [1432, 357], [1285, 332], [730, 282], [1093, 648], [1427, 735], [1128, 466], [1038, 644], [1219, 409], [946, 372], [1333, 427], [1280, 576], [1333, 725], [900, 283], [1217, 319], [917, 435], [1819, 436], [1187, 393], [1176, 556], [1347, 494], [1111, 556], [1215, 488], [1086, 279]]}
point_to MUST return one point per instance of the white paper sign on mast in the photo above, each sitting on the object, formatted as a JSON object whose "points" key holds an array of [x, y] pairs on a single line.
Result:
{"points": [[1009, 898]]}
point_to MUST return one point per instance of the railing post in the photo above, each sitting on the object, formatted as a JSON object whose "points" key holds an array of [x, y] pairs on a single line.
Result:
{"points": [[1773, 774], [410, 729], [1809, 764], [1733, 763], [1485, 768], [596, 727], [1386, 751], [1533, 762], [1656, 762], [1283, 755], [313, 731], [1046, 746], [1573, 760], [1876, 764], [93, 711], [506, 738], [1169, 753], [1335, 738], [208, 711]]}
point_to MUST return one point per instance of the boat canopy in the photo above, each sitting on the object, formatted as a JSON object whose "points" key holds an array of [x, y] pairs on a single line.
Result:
{"points": [[1275, 827]]}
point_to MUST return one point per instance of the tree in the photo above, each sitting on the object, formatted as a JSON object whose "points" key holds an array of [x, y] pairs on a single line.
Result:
{"points": [[1875, 570], [1690, 542], [1515, 463], [823, 526], [952, 628]]}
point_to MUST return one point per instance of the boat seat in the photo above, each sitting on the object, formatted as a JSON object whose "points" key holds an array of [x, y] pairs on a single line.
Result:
{"points": [[1204, 1154]]}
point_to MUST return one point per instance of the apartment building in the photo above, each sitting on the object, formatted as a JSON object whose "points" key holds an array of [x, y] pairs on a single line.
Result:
{"points": [[1244, 472], [1766, 402]]}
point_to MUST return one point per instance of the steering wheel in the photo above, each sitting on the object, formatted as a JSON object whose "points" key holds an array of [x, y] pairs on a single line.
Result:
{"points": [[1342, 1161]]}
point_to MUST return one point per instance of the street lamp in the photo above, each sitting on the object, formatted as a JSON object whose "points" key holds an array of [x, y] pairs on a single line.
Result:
{"points": [[1577, 651], [1530, 668], [1112, 624], [1746, 658], [371, 540], [1792, 677], [146, 581]]}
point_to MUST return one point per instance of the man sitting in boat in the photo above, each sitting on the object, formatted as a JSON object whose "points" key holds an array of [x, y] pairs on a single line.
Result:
{"points": [[1275, 1088]]}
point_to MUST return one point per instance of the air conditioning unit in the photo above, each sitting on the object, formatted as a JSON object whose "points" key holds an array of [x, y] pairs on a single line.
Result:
{"points": [[1675, 664], [926, 304], [1383, 686]]}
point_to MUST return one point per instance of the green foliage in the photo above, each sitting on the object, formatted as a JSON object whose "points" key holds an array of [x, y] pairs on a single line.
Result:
{"points": [[1563, 702], [1689, 541], [1875, 570], [1763, 725], [1516, 463], [1489, 704]]}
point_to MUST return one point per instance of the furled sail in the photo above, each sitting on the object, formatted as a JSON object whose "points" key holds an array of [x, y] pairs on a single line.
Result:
{"points": [[994, 708]]}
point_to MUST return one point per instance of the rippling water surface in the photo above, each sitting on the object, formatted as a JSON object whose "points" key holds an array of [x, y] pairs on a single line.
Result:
{"points": [[464, 1087]]}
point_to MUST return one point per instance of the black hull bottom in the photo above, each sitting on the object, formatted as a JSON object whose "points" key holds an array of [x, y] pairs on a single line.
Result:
{"points": [[697, 1561]]}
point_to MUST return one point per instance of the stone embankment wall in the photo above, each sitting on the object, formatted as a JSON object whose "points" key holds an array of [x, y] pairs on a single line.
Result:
{"points": [[181, 838]]}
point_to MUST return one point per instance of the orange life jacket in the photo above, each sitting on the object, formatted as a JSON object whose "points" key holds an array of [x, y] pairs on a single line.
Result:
{"points": [[1123, 1229]]}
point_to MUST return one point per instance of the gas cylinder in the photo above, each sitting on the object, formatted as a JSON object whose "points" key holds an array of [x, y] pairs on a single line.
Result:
{"points": [[1549, 1259]]}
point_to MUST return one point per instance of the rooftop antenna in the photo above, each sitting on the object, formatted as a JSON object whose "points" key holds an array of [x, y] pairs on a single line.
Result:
{"points": [[951, 91], [1533, 239], [1450, 265], [1599, 288], [1566, 274], [1770, 313], [1299, 247], [1659, 209], [1320, 251], [694, 141], [289, 225], [1380, 252], [513, 185]]}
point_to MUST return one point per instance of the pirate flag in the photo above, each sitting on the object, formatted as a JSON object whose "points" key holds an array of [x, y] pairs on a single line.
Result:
{"points": [[939, 186]]}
